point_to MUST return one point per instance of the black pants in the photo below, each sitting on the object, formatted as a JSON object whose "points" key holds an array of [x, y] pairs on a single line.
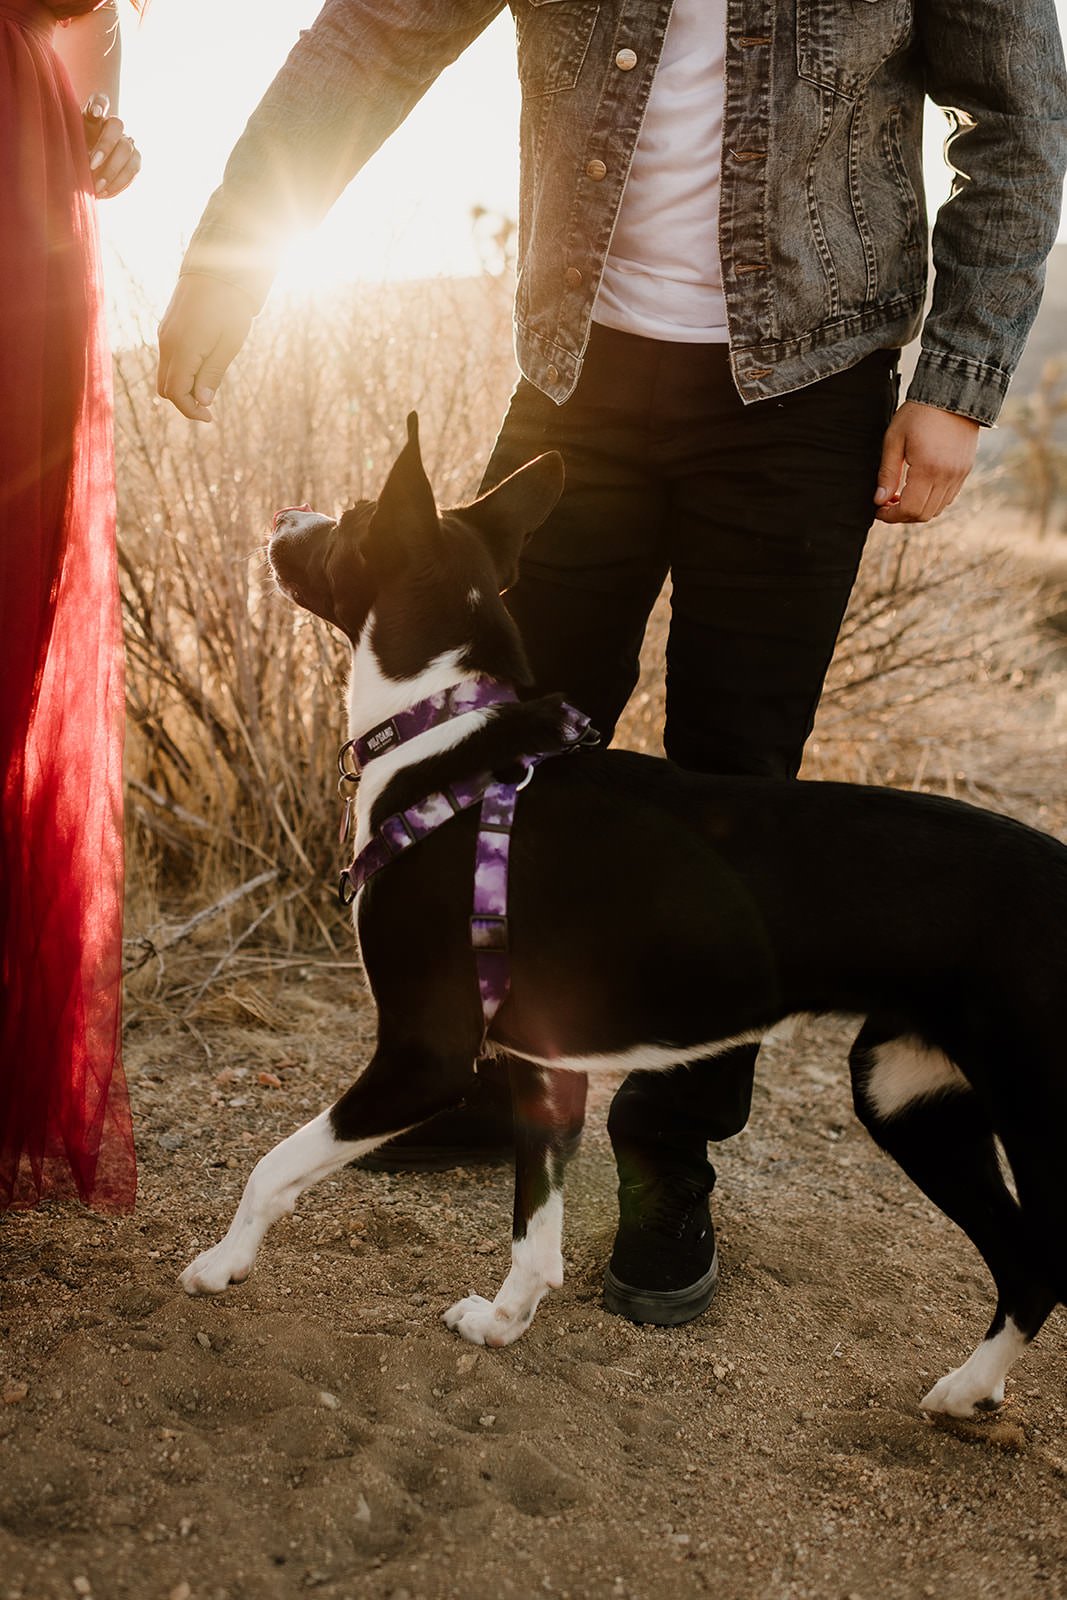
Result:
{"points": [[759, 514]]}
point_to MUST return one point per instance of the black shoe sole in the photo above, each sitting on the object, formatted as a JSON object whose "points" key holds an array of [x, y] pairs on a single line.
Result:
{"points": [[434, 1158], [667, 1308]]}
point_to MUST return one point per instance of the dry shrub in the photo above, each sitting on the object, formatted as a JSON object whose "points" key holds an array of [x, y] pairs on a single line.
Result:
{"points": [[234, 697], [235, 703], [945, 677]]}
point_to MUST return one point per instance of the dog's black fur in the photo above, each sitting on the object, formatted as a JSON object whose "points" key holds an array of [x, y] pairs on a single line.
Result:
{"points": [[654, 907]]}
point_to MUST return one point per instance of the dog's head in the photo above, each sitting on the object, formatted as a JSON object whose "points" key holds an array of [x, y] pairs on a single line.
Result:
{"points": [[432, 579]]}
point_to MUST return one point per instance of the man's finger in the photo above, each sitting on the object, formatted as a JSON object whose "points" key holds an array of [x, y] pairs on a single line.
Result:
{"points": [[193, 386], [918, 494], [202, 331], [176, 380], [214, 367], [891, 467]]}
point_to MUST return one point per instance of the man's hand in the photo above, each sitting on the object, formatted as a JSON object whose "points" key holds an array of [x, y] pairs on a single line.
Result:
{"points": [[202, 330], [926, 458]]}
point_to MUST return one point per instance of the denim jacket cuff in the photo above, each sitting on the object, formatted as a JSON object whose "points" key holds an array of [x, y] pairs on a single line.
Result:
{"points": [[216, 251], [959, 384]]}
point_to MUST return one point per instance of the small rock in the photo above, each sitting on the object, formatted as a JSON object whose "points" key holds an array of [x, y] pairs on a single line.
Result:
{"points": [[185, 1527], [269, 1080], [204, 1339], [484, 1247], [330, 1401], [719, 1370], [81, 1585], [488, 1420], [14, 1393], [362, 1511], [466, 1361], [171, 1141], [181, 1591]]}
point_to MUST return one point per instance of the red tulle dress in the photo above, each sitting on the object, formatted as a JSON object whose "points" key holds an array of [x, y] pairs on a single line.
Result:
{"points": [[64, 1111]]}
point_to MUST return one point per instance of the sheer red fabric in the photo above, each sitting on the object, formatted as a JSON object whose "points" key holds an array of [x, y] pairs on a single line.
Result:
{"points": [[64, 1111]]}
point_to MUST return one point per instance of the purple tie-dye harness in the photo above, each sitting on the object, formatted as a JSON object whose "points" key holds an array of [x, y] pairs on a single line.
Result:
{"points": [[489, 918]]}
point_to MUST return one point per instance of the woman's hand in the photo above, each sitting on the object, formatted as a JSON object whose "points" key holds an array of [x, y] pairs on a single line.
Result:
{"points": [[114, 159]]}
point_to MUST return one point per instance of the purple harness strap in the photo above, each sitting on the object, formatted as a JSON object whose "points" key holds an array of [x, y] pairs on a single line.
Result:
{"points": [[489, 916]]}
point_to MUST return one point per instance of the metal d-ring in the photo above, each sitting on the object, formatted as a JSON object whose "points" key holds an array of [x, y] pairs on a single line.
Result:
{"points": [[352, 774]]}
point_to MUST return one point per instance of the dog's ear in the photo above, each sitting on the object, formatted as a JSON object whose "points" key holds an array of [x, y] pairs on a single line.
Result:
{"points": [[406, 513], [507, 515]]}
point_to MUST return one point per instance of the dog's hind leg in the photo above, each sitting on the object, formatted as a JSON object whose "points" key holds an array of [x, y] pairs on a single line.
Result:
{"points": [[401, 1087], [549, 1110], [921, 1110]]}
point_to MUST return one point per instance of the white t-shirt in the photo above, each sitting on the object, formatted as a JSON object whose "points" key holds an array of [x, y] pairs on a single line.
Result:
{"points": [[662, 277]]}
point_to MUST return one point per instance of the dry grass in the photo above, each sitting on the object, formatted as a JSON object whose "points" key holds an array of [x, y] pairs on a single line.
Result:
{"points": [[941, 679], [234, 713]]}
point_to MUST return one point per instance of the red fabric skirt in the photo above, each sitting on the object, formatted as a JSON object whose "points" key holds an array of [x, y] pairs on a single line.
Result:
{"points": [[64, 1111]]}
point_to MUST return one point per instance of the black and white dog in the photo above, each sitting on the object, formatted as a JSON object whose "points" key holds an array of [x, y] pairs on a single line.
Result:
{"points": [[657, 917]]}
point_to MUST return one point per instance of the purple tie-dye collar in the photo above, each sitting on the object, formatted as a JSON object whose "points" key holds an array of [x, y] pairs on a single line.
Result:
{"points": [[489, 917], [476, 694]]}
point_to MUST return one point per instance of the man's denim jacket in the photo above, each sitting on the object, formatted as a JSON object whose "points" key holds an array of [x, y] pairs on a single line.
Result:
{"points": [[822, 230]]}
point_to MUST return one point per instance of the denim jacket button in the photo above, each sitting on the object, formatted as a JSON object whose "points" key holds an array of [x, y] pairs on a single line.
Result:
{"points": [[626, 60], [596, 170], [572, 278], [552, 374]]}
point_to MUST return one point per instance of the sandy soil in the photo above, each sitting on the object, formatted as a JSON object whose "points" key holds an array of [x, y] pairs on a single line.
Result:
{"points": [[318, 1430]]}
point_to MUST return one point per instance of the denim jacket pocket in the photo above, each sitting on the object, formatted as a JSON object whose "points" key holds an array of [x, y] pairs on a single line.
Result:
{"points": [[553, 37], [842, 43]]}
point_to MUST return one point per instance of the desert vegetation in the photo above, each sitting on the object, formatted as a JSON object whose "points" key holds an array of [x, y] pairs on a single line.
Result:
{"points": [[944, 677]]}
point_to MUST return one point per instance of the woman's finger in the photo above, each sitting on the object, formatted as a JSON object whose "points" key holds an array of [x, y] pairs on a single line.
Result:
{"points": [[110, 135], [118, 169], [94, 114], [122, 179]]}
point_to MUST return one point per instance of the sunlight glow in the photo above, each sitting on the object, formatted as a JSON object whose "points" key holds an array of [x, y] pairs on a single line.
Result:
{"points": [[193, 72]]}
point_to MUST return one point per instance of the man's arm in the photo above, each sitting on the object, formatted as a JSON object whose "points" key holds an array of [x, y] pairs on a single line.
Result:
{"points": [[996, 67], [348, 83]]}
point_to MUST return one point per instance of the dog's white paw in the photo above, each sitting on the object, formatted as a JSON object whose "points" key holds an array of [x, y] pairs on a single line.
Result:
{"points": [[470, 1318], [482, 1321], [215, 1269], [958, 1395]]}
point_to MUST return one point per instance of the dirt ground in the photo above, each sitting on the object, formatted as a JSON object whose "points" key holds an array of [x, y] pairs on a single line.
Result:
{"points": [[318, 1430]]}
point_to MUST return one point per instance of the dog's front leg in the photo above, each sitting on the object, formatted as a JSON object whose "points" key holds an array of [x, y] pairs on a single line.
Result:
{"points": [[549, 1108], [402, 1086]]}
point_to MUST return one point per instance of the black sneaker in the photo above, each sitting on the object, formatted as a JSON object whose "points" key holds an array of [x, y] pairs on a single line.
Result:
{"points": [[479, 1132], [664, 1267]]}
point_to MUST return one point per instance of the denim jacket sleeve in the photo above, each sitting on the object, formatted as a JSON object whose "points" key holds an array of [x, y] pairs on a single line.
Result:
{"points": [[996, 67], [349, 81]]}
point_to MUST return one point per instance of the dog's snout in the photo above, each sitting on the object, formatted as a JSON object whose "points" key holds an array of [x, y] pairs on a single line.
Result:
{"points": [[278, 515]]}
